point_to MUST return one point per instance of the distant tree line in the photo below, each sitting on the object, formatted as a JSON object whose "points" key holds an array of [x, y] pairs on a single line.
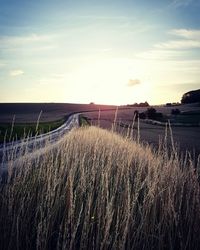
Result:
{"points": [[151, 113], [141, 104]]}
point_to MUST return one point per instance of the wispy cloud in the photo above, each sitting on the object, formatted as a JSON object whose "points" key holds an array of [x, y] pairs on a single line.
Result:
{"points": [[179, 44], [14, 41], [161, 54], [188, 39], [186, 33], [16, 72], [133, 82], [181, 3]]}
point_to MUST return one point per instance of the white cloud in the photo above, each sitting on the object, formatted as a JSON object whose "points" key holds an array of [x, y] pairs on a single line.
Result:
{"points": [[179, 44], [16, 72], [174, 49], [161, 54], [133, 82], [180, 3], [186, 33], [15, 41], [188, 39]]}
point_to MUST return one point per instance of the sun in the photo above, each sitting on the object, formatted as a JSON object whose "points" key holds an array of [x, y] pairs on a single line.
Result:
{"points": [[106, 81]]}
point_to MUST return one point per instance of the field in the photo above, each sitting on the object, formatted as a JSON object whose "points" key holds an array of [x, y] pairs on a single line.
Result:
{"points": [[19, 120], [121, 184], [186, 135], [53, 114], [98, 190], [29, 112]]}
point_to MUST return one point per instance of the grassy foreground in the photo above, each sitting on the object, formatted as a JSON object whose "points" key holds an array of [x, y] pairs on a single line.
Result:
{"points": [[97, 190]]}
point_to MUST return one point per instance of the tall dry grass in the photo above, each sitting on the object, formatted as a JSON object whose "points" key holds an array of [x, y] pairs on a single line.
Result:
{"points": [[97, 190]]}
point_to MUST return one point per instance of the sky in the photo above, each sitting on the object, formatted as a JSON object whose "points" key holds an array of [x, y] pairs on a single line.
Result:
{"points": [[106, 52]]}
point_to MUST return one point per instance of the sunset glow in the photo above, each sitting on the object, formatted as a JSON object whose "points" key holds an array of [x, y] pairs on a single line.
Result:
{"points": [[109, 52]]}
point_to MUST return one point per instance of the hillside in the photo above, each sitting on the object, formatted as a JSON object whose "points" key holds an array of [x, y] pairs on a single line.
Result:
{"points": [[98, 190]]}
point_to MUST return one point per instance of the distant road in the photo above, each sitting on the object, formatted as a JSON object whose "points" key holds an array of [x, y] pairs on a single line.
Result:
{"points": [[32, 144]]}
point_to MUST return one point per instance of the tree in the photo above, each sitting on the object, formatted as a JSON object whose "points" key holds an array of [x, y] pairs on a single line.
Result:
{"points": [[191, 97], [151, 113]]}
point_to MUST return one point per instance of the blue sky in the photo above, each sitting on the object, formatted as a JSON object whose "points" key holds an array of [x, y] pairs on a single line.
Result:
{"points": [[114, 52]]}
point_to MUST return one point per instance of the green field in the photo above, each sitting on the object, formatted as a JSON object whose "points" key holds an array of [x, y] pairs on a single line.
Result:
{"points": [[9, 132]]}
